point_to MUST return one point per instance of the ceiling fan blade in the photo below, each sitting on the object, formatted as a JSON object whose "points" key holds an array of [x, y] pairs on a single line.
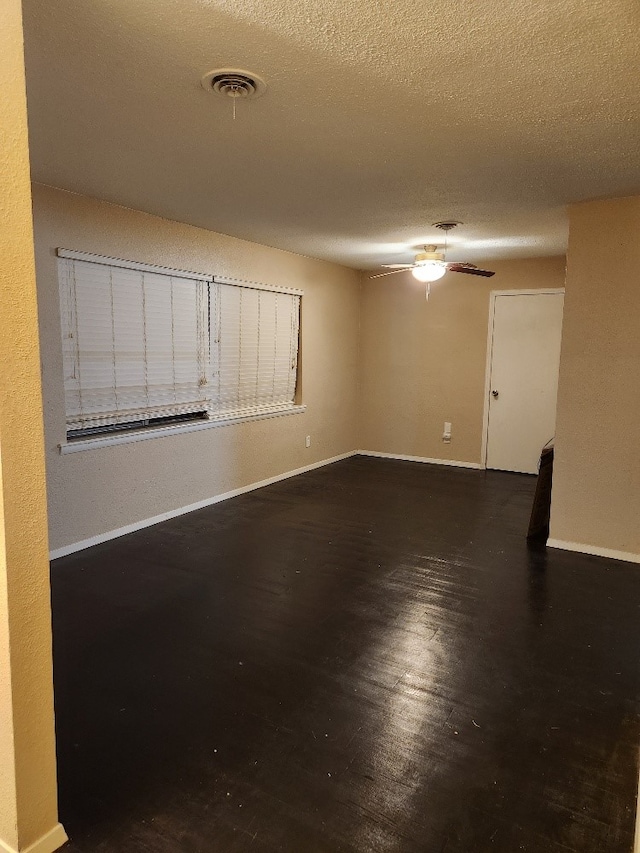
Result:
{"points": [[461, 264], [393, 272], [397, 266], [470, 270]]}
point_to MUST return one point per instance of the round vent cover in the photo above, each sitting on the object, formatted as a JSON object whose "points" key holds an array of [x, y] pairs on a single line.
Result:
{"points": [[234, 83]]}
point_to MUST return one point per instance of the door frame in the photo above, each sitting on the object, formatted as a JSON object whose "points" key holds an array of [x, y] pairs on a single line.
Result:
{"points": [[529, 291]]}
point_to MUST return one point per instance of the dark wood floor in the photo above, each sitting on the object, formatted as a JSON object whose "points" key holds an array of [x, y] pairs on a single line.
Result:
{"points": [[364, 658]]}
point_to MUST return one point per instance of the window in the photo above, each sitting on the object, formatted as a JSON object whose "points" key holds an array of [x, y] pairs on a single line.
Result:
{"points": [[147, 346], [254, 349]]}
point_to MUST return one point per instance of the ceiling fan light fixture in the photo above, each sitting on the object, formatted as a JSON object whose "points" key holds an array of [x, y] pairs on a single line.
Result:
{"points": [[429, 271]]}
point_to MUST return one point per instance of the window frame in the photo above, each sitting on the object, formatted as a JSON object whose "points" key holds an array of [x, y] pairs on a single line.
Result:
{"points": [[116, 434]]}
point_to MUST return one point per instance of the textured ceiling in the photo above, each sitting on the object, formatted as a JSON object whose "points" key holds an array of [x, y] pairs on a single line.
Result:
{"points": [[379, 119]]}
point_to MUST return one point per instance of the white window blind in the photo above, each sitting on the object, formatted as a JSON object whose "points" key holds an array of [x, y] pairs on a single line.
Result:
{"points": [[254, 349], [135, 344]]}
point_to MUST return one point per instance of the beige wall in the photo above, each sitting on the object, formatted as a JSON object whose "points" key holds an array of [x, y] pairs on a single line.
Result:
{"points": [[28, 797], [95, 491], [596, 492], [423, 363]]}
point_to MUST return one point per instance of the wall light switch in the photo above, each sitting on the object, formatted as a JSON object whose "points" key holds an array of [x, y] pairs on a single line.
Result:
{"points": [[307, 441], [447, 427]]}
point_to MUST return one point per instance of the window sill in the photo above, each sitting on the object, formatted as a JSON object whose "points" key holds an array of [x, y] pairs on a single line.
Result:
{"points": [[77, 444]]}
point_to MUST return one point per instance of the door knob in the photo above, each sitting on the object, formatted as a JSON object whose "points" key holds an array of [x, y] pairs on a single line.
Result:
{"points": [[494, 393]]}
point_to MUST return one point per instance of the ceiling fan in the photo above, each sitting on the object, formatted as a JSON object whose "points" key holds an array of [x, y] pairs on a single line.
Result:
{"points": [[431, 265]]}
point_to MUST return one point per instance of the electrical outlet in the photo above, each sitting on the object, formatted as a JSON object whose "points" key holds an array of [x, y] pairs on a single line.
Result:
{"points": [[307, 441], [446, 435]]}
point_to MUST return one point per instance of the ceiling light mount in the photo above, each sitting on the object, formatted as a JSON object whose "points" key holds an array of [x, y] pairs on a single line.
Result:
{"points": [[234, 83]]}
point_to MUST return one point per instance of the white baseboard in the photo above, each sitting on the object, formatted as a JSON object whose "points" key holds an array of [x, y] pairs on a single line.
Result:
{"points": [[404, 458], [53, 840], [174, 513], [594, 550]]}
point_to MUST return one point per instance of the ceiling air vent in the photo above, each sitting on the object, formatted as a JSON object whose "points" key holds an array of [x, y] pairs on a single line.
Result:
{"points": [[234, 83]]}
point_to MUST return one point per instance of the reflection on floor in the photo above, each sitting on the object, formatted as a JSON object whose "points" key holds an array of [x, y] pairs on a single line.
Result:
{"points": [[364, 658]]}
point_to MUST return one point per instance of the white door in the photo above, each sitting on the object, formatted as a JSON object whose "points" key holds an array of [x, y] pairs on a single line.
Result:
{"points": [[523, 384]]}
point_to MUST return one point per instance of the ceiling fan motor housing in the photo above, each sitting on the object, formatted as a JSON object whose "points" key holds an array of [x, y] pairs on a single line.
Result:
{"points": [[430, 254]]}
